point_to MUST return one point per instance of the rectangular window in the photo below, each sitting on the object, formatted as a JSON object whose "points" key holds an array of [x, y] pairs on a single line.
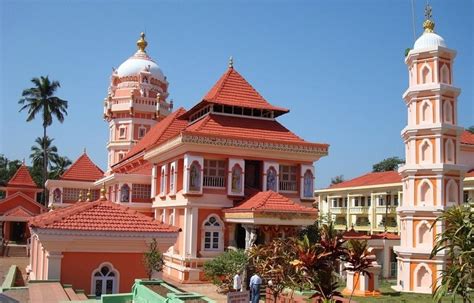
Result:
{"points": [[288, 177], [381, 201], [122, 132], [389, 199], [207, 240], [141, 191], [356, 201], [369, 201], [345, 202], [362, 201], [141, 132], [395, 200], [214, 173], [466, 196]]}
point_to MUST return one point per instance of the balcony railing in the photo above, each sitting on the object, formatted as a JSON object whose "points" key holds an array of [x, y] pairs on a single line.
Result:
{"points": [[288, 185], [340, 226], [214, 181], [356, 210], [383, 209], [338, 210], [362, 227]]}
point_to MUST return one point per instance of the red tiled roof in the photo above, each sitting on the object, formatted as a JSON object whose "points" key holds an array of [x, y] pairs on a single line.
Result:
{"points": [[160, 132], [270, 201], [22, 178], [18, 212], [352, 234], [233, 89], [467, 137], [386, 235], [83, 169], [99, 216], [245, 128], [371, 179], [470, 173]]}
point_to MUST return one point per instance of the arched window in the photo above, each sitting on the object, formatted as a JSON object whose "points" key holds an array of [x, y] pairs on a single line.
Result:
{"points": [[172, 180], [125, 193], [57, 195], [105, 280], [445, 74], [308, 186], [426, 193], [448, 111], [426, 112], [213, 236], [426, 76], [424, 234], [423, 278], [449, 150], [236, 186], [272, 179], [171, 218], [163, 180], [425, 151], [452, 192], [195, 177]]}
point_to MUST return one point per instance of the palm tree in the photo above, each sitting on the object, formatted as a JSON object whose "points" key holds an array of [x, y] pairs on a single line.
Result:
{"points": [[43, 147], [457, 241], [359, 258], [61, 164], [41, 99]]}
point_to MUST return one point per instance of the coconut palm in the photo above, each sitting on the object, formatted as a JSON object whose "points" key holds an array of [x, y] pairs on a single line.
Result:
{"points": [[61, 164], [40, 99], [44, 146], [457, 241]]}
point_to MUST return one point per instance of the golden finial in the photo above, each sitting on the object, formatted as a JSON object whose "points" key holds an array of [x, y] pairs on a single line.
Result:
{"points": [[80, 197], [103, 192], [141, 43], [88, 195], [429, 24], [231, 62]]}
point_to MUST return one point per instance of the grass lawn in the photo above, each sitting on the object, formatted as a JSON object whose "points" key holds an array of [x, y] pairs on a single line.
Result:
{"points": [[391, 296]]}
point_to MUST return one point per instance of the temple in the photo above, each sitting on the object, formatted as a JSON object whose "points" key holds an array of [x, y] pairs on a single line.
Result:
{"points": [[222, 174]]}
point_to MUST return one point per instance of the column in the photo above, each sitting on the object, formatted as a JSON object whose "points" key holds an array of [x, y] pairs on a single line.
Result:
{"points": [[54, 265]]}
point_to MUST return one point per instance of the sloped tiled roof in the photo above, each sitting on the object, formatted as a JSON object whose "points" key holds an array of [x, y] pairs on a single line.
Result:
{"points": [[232, 89], [83, 169], [470, 173], [245, 128], [270, 201], [352, 234], [467, 137], [99, 216], [19, 212], [160, 132], [22, 178], [386, 235], [369, 179]]}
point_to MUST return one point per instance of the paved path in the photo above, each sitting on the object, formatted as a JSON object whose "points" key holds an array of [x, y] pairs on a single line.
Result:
{"points": [[208, 290]]}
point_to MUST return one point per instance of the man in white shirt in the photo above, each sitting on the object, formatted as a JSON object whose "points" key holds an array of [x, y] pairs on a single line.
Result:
{"points": [[255, 282], [237, 282]]}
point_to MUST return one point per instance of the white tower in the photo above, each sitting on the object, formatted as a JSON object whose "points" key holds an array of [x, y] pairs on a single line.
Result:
{"points": [[136, 101], [432, 178]]}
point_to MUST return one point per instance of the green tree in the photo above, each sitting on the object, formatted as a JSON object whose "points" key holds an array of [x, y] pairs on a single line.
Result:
{"points": [[44, 146], [222, 269], [387, 164], [7, 170], [470, 129], [457, 241], [337, 179], [60, 165], [41, 99], [359, 259], [153, 259]]}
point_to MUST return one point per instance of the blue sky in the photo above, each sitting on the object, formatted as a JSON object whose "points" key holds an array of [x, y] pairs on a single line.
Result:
{"points": [[338, 65]]}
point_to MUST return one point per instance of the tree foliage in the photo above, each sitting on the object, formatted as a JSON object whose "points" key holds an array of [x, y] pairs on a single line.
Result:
{"points": [[388, 164], [7, 170], [153, 259], [457, 241], [222, 269], [337, 179], [470, 129]]}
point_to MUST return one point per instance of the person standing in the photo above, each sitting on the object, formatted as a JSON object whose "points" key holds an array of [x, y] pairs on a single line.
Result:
{"points": [[237, 282], [255, 282]]}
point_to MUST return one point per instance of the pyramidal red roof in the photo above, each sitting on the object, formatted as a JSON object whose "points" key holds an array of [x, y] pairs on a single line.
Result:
{"points": [[371, 179], [232, 89], [352, 234], [99, 215], [22, 178], [83, 169], [270, 201], [160, 132], [467, 137]]}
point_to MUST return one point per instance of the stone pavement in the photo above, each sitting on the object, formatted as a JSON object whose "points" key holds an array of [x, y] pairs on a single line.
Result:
{"points": [[207, 289]]}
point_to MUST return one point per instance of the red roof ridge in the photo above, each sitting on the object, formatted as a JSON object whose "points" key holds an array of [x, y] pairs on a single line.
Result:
{"points": [[22, 177], [219, 83], [371, 178], [83, 169]]}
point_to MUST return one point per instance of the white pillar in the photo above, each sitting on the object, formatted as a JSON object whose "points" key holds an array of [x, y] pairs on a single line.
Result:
{"points": [[54, 265]]}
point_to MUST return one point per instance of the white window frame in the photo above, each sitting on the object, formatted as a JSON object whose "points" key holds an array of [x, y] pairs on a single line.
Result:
{"points": [[116, 278], [163, 177], [124, 129], [210, 251], [218, 169], [282, 175]]}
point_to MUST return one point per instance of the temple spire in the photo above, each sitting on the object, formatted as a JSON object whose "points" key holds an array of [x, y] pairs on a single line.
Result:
{"points": [[428, 24], [141, 43], [231, 62]]}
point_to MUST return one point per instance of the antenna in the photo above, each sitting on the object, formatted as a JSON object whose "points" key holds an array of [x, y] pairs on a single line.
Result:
{"points": [[413, 18]]}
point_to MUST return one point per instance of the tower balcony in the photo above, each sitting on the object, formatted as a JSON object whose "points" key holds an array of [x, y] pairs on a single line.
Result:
{"points": [[359, 210]]}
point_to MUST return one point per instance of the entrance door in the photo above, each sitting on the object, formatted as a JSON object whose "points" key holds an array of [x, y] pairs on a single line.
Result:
{"points": [[253, 174], [240, 236], [17, 231]]}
